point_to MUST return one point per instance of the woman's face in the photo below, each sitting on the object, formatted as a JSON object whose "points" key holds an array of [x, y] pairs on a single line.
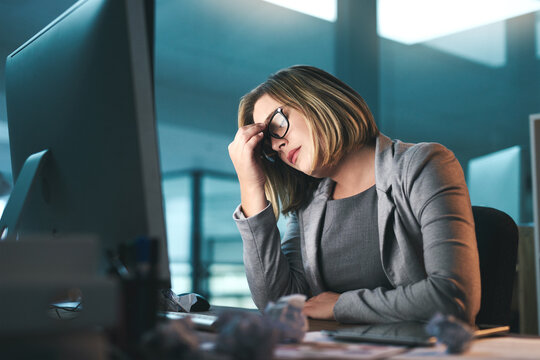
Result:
{"points": [[296, 148]]}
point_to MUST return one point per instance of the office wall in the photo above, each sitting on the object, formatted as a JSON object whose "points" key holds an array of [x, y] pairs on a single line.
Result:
{"points": [[474, 96]]}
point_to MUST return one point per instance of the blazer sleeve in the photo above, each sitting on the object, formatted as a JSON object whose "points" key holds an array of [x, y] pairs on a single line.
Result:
{"points": [[273, 267], [439, 200]]}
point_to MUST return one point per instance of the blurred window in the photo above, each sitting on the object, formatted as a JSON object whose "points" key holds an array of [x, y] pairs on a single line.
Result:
{"points": [[222, 277]]}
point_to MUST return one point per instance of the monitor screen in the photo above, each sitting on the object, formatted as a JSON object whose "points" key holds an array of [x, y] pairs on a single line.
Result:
{"points": [[494, 180], [80, 99]]}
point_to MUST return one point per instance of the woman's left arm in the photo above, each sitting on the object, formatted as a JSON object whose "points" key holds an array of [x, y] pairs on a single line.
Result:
{"points": [[438, 198]]}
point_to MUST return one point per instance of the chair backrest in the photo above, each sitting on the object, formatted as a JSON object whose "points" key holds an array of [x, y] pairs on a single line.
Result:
{"points": [[497, 237]]}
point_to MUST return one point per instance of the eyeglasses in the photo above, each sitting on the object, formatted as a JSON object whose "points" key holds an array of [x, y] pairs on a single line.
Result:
{"points": [[277, 127]]}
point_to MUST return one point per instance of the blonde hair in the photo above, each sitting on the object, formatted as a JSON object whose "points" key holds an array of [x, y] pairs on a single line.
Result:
{"points": [[335, 114]]}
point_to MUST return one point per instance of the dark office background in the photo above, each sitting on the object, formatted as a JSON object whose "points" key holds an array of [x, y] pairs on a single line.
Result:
{"points": [[472, 90]]}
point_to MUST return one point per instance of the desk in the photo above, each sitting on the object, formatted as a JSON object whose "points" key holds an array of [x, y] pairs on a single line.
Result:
{"points": [[504, 347], [92, 345], [501, 347]]}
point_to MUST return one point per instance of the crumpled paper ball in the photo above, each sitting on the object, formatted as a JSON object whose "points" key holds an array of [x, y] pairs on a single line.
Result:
{"points": [[168, 301], [253, 336], [246, 336], [174, 339], [186, 302], [454, 333], [286, 314]]}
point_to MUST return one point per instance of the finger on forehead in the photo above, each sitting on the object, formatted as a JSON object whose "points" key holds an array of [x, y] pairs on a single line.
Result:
{"points": [[252, 125], [251, 129]]}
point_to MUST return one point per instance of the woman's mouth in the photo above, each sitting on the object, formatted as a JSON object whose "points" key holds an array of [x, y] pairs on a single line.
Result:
{"points": [[293, 154]]}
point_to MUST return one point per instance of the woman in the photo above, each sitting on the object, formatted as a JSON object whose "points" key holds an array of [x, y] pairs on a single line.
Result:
{"points": [[378, 231]]}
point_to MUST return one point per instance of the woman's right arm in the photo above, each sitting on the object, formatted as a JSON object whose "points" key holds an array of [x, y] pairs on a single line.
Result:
{"points": [[247, 164], [273, 268]]}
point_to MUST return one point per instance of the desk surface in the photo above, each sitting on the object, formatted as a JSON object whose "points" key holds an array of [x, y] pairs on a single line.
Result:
{"points": [[316, 345], [501, 347]]}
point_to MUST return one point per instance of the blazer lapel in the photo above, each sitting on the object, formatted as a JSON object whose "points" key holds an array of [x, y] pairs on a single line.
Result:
{"points": [[385, 213], [312, 222], [385, 203]]}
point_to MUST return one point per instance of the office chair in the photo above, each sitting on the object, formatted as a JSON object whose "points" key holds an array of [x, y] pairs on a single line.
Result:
{"points": [[497, 237]]}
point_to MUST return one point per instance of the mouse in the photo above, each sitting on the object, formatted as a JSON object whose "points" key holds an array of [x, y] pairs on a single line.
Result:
{"points": [[193, 302]]}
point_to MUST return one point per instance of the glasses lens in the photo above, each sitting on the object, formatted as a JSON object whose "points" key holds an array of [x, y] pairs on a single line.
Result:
{"points": [[278, 125]]}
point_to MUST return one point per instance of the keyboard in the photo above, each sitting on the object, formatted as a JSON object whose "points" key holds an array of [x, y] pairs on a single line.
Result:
{"points": [[201, 321]]}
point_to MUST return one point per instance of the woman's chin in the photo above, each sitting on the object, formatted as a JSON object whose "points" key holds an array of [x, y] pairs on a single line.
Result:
{"points": [[320, 172], [307, 168], [316, 173]]}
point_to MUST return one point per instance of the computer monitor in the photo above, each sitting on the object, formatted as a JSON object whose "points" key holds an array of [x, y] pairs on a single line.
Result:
{"points": [[80, 106], [495, 180], [535, 172]]}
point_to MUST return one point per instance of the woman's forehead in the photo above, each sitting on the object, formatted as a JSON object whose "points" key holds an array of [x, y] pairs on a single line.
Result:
{"points": [[264, 107]]}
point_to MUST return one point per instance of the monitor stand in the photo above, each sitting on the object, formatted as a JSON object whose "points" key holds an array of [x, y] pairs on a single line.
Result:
{"points": [[26, 182]]}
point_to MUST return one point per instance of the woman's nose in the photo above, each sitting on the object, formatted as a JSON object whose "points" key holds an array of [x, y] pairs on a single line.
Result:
{"points": [[277, 144]]}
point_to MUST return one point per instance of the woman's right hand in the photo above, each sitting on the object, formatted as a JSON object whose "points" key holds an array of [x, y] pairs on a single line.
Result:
{"points": [[247, 164]]}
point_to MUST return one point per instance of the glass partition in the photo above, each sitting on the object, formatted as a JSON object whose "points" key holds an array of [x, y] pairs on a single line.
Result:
{"points": [[212, 197]]}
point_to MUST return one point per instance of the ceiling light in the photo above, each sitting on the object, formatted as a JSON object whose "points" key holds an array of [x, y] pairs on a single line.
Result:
{"points": [[414, 21], [323, 9]]}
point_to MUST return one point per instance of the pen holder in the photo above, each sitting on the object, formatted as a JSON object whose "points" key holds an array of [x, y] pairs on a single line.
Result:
{"points": [[139, 302], [139, 310]]}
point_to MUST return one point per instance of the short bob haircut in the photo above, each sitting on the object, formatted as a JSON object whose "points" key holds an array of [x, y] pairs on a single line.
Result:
{"points": [[336, 115]]}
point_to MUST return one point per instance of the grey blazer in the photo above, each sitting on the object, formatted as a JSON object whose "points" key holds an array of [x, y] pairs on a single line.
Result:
{"points": [[426, 234]]}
